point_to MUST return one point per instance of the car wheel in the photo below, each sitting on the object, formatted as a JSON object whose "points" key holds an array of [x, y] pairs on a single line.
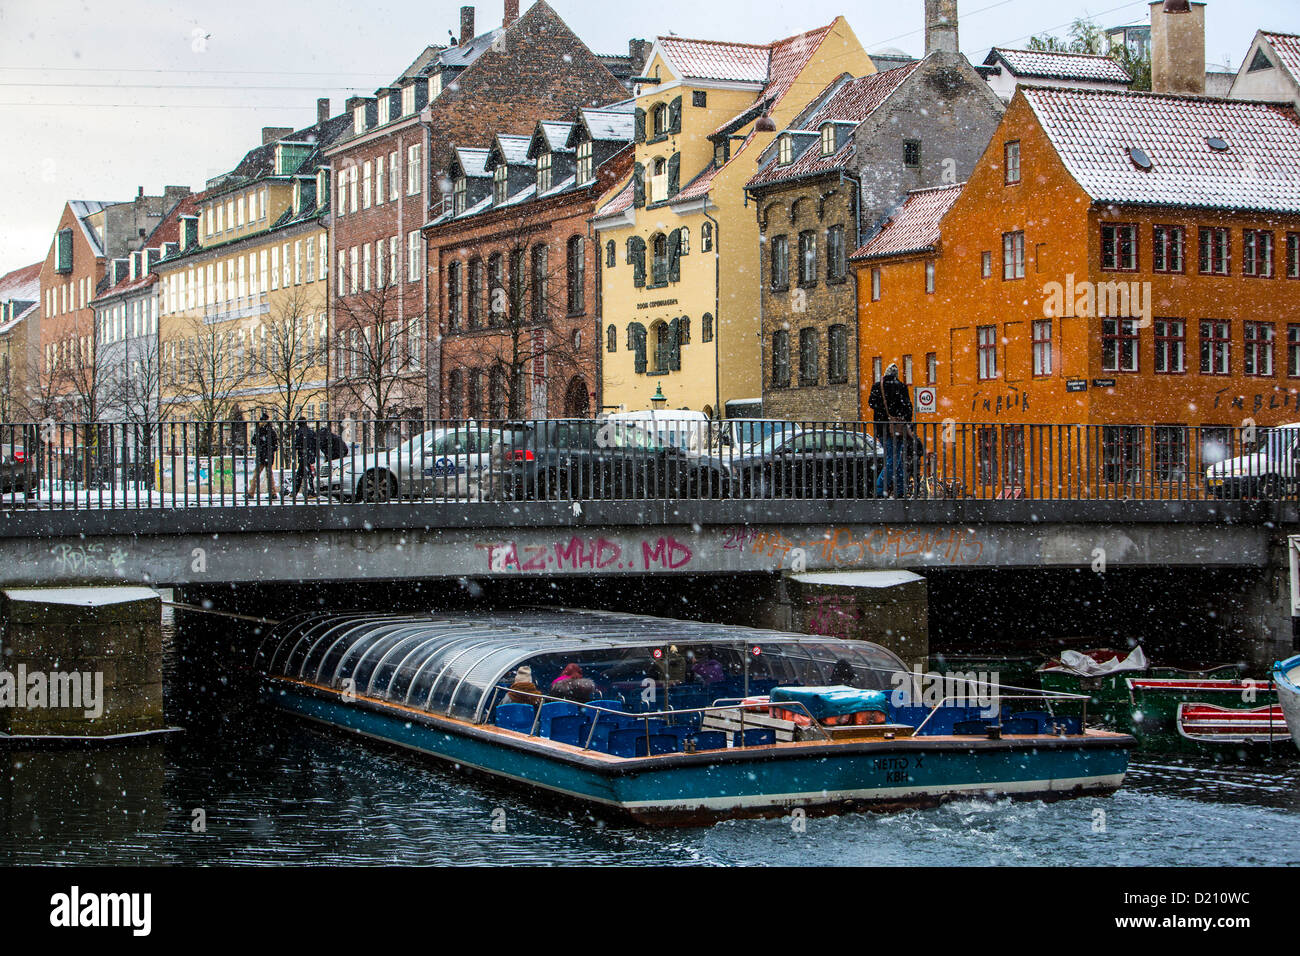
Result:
{"points": [[1271, 487], [377, 486]]}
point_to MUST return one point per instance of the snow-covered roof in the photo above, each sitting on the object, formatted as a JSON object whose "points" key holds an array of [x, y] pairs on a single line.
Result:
{"points": [[83, 209], [609, 124], [512, 149], [22, 285], [915, 227], [1287, 48], [472, 162], [1059, 66], [1095, 130]]}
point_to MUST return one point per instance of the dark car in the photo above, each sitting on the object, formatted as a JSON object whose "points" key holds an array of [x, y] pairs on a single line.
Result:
{"points": [[17, 471], [809, 463], [577, 459]]}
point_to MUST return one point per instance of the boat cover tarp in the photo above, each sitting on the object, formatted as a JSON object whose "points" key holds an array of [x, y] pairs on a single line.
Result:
{"points": [[823, 702], [1089, 664]]}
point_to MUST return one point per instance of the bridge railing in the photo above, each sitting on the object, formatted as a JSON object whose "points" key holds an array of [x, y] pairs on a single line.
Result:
{"points": [[83, 465]]}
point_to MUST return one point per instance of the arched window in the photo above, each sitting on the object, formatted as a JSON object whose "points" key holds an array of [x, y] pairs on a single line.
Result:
{"points": [[577, 271], [611, 254], [496, 284], [706, 237], [577, 400], [686, 240], [661, 335], [497, 392], [475, 396], [706, 327], [659, 259], [684, 330], [476, 295], [539, 283], [455, 296], [611, 339], [659, 120]]}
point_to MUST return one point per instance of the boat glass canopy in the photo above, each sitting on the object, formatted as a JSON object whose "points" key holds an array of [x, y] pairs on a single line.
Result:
{"points": [[453, 664]]}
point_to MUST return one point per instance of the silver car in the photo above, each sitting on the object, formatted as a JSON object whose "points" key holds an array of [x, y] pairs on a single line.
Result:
{"points": [[441, 463]]}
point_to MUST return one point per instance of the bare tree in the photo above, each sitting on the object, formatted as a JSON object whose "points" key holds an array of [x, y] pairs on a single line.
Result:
{"points": [[135, 394], [378, 351], [536, 306], [205, 375], [292, 355]]}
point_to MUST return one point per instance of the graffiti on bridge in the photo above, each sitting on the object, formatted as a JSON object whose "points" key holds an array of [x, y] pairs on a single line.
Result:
{"points": [[588, 554], [849, 548]]}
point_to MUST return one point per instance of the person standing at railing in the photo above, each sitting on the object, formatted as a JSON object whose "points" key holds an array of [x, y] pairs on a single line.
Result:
{"points": [[891, 406], [304, 449], [266, 445]]}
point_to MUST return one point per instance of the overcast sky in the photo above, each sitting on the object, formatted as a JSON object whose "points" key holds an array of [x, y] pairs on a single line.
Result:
{"points": [[100, 98]]}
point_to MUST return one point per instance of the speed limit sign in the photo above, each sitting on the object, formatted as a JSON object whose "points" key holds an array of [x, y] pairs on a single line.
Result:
{"points": [[927, 400]]}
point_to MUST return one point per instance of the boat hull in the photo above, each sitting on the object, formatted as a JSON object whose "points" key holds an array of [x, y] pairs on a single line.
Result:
{"points": [[1286, 677], [684, 789]]}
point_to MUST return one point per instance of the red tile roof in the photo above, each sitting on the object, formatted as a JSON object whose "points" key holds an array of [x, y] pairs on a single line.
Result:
{"points": [[622, 200], [1094, 131], [168, 230], [1287, 48], [915, 227], [853, 102], [1060, 66]]}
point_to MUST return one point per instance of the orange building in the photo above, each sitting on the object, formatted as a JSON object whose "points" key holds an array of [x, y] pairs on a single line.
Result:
{"points": [[1115, 259]]}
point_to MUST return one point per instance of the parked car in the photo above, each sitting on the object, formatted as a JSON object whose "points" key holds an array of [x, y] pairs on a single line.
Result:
{"points": [[1269, 467], [440, 463], [803, 462], [581, 459], [17, 471]]}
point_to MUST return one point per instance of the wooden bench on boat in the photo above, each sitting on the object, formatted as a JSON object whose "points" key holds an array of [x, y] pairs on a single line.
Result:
{"points": [[729, 721]]}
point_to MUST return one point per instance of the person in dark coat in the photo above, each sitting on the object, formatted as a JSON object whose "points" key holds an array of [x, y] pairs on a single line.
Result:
{"points": [[266, 445], [891, 406], [329, 444], [304, 449]]}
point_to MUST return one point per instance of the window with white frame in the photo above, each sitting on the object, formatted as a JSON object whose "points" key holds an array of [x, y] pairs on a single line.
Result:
{"points": [[586, 163], [366, 183], [413, 169], [1042, 346], [543, 173], [408, 99], [379, 180], [413, 255], [394, 176]]}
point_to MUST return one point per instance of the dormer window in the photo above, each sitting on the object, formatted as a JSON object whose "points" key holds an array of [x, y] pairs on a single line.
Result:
{"points": [[408, 99], [785, 150], [543, 173], [586, 162], [322, 186], [499, 184], [721, 152], [828, 139], [385, 102], [435, 86], [297, 196], [458, 195], [359, 119]]}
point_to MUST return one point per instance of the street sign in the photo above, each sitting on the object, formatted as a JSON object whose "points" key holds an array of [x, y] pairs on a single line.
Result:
{"points": [[927, 400]]}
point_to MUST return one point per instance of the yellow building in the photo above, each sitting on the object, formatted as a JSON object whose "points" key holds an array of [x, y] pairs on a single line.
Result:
{"points": [[244, 294], [680, 245]]}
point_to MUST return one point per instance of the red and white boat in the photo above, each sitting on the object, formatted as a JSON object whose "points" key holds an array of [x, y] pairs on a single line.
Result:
{"points": [[1209, 723]]}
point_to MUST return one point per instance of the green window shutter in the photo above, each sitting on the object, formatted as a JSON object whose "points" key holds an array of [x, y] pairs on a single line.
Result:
{"points": [[675, 116], [674, 174], [675, 258], [63, 252], [674, 347], [638, 185], [638, 337], [638, 263], [639, 134]]}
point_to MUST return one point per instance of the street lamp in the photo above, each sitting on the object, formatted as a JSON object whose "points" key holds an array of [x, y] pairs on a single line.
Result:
{"points": [[658, 400]]}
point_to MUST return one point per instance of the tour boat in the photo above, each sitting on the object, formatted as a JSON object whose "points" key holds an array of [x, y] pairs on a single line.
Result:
{"points": [[1286, 677], [676, 722]]}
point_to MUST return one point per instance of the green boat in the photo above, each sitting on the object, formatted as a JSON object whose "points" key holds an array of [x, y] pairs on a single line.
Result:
{"points": [[1147, 702]]}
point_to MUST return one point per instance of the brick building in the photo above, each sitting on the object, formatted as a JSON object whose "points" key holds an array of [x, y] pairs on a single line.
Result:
{"points": [[531, 67], [20, 346], [832, 177], [1115, 259], [515, 270]]}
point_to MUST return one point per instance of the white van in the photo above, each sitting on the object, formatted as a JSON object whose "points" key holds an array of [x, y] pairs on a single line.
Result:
{"points": [[1268, 469], [679, 428]]}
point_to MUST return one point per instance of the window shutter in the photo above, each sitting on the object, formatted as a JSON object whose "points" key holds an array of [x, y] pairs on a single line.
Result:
{"points": [[675, 258], [675, 116], [674, 174], [638, 186], [638, 345], [674, 346], [638, 263], [639, 134]]}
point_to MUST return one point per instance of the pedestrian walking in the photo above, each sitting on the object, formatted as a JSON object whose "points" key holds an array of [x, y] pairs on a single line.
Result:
{"points": [[304, 450], [891, 406], [266, 446]]}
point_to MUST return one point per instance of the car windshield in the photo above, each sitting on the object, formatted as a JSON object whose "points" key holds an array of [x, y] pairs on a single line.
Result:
{"points": [[1274, 441], [753, 431], [772, 442]]}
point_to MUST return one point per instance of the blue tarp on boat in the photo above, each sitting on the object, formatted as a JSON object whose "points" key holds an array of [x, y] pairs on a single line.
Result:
{"points": [[823, 702]]}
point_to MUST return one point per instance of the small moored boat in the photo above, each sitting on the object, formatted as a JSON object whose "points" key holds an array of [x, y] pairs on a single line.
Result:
{"points": [[1286, 677], [1208, 723], [676, 722]]}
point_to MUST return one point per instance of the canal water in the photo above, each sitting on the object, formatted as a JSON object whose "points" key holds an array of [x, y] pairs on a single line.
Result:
{"points": [[246, 785]]}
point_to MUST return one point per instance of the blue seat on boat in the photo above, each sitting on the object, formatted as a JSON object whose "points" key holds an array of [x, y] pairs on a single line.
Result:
{"points": [[515, 717], [759, 736], [607, 704], [711, 740], [567, 729], [1021, 725], [658, 744], [975, 728], [622, 743], [556, 708]]}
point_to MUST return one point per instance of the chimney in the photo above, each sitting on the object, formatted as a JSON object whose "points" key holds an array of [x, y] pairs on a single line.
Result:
{"points": [[940, 26], [139, 192], [638, 51], [1178, 47], [322, 109], [512, 12], [271, 133], [466, 25], [172, 195]]}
